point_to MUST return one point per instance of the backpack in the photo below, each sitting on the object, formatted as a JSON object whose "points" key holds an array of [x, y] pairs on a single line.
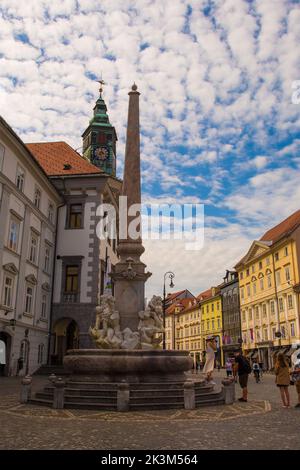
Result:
{"points": [[246, 365]]}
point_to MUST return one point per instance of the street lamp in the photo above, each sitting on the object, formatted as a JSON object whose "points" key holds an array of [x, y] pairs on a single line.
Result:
{"points": [[171, 276]]}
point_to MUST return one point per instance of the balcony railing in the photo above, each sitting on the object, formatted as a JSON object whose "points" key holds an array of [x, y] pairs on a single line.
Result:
{"points": [[70, 297]]}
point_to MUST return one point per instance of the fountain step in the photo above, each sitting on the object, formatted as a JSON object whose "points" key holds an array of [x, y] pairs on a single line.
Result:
{"points": [[84, 391]]}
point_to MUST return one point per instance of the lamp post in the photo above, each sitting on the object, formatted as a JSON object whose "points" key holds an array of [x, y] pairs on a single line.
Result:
{"points": [[171, 276]]}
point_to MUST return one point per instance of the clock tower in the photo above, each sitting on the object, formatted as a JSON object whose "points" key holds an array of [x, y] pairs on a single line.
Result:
{"points": [[99, 139]]}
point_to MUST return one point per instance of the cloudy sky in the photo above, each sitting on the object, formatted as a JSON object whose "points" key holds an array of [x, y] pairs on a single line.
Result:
{"points": [[219, 125]]}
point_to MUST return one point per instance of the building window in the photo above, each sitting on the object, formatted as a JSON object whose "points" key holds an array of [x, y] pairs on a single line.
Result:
{"points": [[44, 307], [207, 325], [41, 348], [218, 322], [283, 331], [20, 178], [290, 301], [292, 329], [37, 197], [272, 307], [47, 259], [260, 265], [254, 288], [33, 248], [264, 310], [244, 316], [276, 256], [261, 283], [247, 272], [250, 315], [269, 281], [278, 278], [8, 291], [241, 275], [280, 304], [51, 212], [242, 293], [29, 299], [253, 268], [213, 307], [13, 235], [273, 333], [286, 251], [266, 334], [257, 312], [71, 283], [248, 290], [267, 261], [258, 336], [287, 273], [75, 216], [213, 324]]}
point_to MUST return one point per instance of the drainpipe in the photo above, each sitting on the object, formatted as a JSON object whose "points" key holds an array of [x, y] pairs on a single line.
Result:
{"points": [[53, 275], [277, 302]]}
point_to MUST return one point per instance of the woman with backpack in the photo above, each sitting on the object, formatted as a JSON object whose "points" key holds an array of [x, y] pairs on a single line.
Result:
{"points": [[282, 380]]}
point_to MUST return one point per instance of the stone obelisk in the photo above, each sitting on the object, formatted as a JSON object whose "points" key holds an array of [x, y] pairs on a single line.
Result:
{"points": [[130, 276]]}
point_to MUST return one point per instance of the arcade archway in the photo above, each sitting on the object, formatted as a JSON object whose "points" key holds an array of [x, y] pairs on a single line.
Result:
{"points": [[5, 348]]}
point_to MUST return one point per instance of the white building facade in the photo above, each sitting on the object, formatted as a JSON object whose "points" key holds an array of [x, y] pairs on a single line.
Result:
{"points": [[28, 203]]}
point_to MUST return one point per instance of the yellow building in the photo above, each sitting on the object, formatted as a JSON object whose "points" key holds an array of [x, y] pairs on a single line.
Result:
{"points": [[187, 329], [211, 320], [269, 292]]}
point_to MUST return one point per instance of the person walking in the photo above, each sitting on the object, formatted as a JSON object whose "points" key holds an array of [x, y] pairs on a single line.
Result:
{"points": [[211, 347], [243, 371], [256, 371], [295, 375], [282, 380], [228, 367]]}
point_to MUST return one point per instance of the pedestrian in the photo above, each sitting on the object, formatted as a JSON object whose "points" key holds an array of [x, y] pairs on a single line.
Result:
{"points": [[243, 371], [283, 379], [211, 347], [228, 367], [295, 376], [256, 371]]}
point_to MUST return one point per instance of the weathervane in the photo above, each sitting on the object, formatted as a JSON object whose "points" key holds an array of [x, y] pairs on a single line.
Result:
{"points": [[102, 83]]}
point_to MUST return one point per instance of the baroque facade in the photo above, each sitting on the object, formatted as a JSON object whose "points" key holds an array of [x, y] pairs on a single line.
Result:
{"points": [[269, 292], [28, 208], [232, 334]]}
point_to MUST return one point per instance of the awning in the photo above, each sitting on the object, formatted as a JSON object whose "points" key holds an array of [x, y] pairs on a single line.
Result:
{"points": [[289, 351]]}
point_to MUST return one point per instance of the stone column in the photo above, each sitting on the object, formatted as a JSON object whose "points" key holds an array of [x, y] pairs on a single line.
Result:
{"points": [[228, 391], [130, 276], [59, 394], [25, 389], [123, 395], [189, 396]]}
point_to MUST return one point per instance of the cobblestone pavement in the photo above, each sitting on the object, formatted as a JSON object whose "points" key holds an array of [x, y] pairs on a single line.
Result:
{"points": [[259, 424]]}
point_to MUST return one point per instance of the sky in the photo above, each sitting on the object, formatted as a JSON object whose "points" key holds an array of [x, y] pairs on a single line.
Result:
{"points": [[219, 126]]}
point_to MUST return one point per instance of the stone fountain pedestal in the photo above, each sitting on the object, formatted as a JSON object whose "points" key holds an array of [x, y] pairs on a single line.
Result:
{"points": [[131, 366]]}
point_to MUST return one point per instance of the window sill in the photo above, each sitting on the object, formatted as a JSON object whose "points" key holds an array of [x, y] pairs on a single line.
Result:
{"points": [[32, 264], [44, 320], [28, 315], [47, 273], [12, 251], [6, 308]]}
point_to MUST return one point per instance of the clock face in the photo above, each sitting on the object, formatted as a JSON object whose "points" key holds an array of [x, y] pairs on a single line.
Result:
{"points": [[100, 154]]}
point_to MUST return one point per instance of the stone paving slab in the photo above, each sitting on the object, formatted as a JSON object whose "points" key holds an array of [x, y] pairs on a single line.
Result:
{"points": [[259, 424]]}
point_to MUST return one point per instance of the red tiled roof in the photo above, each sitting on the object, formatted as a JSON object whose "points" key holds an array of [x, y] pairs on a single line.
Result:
{"points": [[174, 295], [204, 295], [285, 227], [184, 303], [53, 156]]}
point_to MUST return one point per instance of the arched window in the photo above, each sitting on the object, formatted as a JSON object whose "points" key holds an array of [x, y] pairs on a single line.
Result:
{"points": [[2, 352]]}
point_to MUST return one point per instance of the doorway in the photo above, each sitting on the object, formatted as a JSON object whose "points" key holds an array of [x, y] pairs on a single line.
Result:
{"points": [[67, 337], [5, 347]]}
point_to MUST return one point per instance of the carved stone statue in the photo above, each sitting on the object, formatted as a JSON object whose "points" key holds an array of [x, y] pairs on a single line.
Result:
{"points": [[108, 335], [151, 324]]}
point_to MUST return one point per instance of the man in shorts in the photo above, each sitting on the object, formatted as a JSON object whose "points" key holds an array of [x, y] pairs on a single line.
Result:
{"points": [[243, 370]]}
